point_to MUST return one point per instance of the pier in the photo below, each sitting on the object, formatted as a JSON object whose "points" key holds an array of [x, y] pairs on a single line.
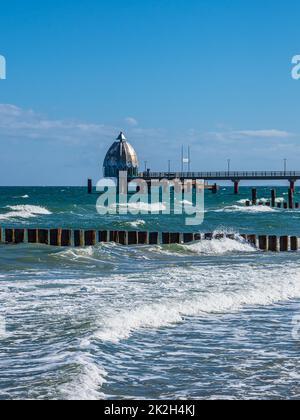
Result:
{"points": [[235, 177], [92, 237]]}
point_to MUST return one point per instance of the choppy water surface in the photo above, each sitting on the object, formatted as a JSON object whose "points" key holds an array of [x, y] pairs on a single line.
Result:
{"points": [[212, 319]]}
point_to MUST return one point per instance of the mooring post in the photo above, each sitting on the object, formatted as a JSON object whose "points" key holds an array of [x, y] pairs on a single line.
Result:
{"points": [[254, 196], [273, 199]]}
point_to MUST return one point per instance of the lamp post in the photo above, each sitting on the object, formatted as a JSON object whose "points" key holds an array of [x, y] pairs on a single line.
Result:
{"points": [[228, 165], [285, 166]]}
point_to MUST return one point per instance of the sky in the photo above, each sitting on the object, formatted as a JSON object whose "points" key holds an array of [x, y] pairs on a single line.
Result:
{"points": [[212, 74]]}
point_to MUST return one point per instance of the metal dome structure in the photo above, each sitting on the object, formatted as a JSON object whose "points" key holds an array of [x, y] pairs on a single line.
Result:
{"points": [[120, 157]]}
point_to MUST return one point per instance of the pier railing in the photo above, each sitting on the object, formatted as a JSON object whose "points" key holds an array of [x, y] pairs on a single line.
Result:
{"points": [[225, 175]]}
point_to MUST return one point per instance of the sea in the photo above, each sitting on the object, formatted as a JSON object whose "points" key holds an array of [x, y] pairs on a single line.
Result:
{"points": [[207, 320]]}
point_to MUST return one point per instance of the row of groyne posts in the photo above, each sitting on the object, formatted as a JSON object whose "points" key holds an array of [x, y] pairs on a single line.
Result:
{"points": [[82, 238], [273, 202]]}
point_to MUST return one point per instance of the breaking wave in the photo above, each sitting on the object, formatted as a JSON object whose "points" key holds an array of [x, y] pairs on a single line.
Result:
{"points": [[230, 291], [220, 246], [24, 212], [251, 209]]}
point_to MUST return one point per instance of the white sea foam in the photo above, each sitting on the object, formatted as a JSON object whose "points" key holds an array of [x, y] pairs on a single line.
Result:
{"points": [[219, 292], [251, 209], [87, 384], [220, 246], [147, 207], [136, 223], [24, 212]]}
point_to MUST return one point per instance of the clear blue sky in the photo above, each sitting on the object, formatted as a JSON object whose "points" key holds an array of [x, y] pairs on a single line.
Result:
{"points": [[215, 74]]}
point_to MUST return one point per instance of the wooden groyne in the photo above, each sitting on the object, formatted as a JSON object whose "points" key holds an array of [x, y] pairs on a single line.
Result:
{"points": [[290, 204], [82, 238]]}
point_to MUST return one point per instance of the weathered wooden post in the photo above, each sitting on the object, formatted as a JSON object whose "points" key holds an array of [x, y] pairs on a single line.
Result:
{"points": [[122, 238], [263, 243], [43, 236], [215, 189], [175, 238], [291, 198], [66, 237], [79, 238], [90, 186], [55, 237], [142, 238], [32, 235], [294, 243], [252, 239], [254, 196], [9, 236], [284, 243], [103, 236], [208, 236], [188, 238], [165, 238], [19, 236], [273, 244], [273, 199], [236, 187], [132, 238], [153, 238], [90, 237]]}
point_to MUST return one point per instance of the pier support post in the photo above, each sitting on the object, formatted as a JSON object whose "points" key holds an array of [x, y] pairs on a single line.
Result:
{"points": [[254, 196], [90, 186], [292, 185], [273, 199], [236, 186], [291, 198], [215, 189]]}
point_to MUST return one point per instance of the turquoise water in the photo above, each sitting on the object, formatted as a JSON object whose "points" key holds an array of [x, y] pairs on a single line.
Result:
{"points": [[212, 319]]}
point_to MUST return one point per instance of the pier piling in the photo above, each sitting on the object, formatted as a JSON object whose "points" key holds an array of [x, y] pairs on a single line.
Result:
{"points": [[254, 196]]}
